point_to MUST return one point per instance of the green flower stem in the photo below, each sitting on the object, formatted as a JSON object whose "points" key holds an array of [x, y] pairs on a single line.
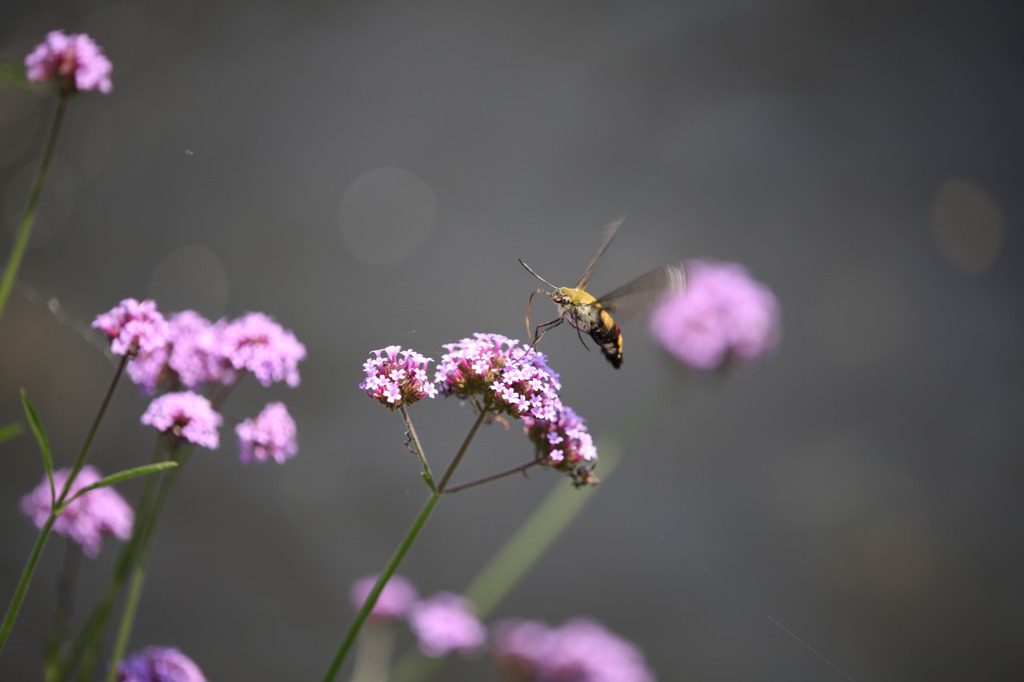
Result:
{"points": [[371, 599], [26, 577], [62, 613], [86, 647], [428, 476], [44, 533], [138, 576], [462, 449], [549, 520], [28, 219], [544, 525], [373, 653]]}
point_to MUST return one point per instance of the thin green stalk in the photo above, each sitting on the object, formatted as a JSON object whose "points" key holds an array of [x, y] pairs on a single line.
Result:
{"points": [[428, 476], [463, 448], [28, 219], [26, 578], [62, 613], [139, 570], [549, 520], [86, 648], [371, 599], [44, 533]]}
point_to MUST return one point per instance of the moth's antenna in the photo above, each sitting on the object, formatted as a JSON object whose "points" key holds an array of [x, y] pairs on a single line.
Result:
{"points": [[530, 270]]}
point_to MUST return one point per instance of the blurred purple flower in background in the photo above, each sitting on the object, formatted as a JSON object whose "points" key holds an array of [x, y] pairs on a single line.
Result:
{"points": [[185, 415], [134, 327], [581, 650], [86, 520], [722, 316], [271, 435], [74, 60], [514, 379], [195, 355], [445, 623], [394, 602], [258, 344], [397, 377], [159, 664]]}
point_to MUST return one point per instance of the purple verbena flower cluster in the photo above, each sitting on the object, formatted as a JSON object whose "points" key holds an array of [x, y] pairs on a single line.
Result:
{"points": [[185, 415], [502, 377], [397, 377], [394, 602], [159, 664], [73, 60], [189, 352], [506, 374], [89, 518], [443, 623], [581, 650], [722, 317], [564, 444], [271, 435]]}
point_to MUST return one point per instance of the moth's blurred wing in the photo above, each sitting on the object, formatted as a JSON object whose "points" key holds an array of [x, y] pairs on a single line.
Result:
{"points": [[641, 294], [606, 239]]}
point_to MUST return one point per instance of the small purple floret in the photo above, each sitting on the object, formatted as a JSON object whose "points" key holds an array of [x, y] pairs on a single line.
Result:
{"points": [[88, 519]]}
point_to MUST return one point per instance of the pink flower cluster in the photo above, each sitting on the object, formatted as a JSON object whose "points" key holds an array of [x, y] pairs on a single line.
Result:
{"points": [[503, 377], [73, 60], [190, 352], [159, 664], [723, 316], [581, 650], [397, 377], [443, 623], [86, 520]]}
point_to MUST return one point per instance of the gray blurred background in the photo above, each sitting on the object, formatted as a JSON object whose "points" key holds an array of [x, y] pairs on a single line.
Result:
{"points": [[368, 174]]}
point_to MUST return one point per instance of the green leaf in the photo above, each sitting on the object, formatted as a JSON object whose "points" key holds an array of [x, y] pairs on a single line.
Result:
{"points": [[120, 476], [44, 444], [9, 431], [14, 77]]}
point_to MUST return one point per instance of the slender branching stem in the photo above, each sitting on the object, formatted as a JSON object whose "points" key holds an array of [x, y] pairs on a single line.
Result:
{"points": [[428, 476], [521, 469], [28, 219]]}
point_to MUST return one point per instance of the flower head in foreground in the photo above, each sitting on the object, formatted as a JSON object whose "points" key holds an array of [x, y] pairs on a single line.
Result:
{"points": [[159, 664], [271, 435], [86, 520], [723, 315], [185, 415], [258, 344], [580, 650], [74, 61], [563, 443], [397, 377], [394, 602], [446, 623], [508, 375], [134, 328]]}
